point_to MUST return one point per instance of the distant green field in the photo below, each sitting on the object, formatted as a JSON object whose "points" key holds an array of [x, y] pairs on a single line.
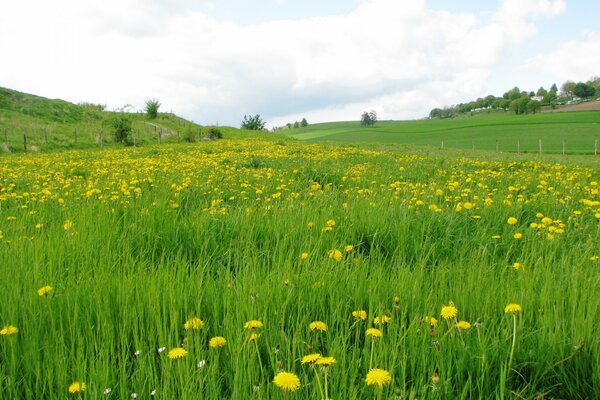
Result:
{"points": [[577, 130]]}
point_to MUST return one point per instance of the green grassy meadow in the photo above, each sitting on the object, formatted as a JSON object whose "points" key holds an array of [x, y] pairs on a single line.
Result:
{"points": [[135, 242], [578, 131]]}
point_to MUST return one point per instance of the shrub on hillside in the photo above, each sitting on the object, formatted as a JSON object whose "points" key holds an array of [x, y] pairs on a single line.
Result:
{"points": [[122, 130], [213, 133], [190, 134], [152, 106]]}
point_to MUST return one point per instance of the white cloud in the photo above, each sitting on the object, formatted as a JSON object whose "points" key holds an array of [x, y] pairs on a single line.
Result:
{"points": [[575, 59], [400, 58]]}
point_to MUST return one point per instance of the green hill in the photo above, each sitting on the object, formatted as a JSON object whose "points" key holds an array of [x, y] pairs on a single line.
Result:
{"points": [[57, 124], [578, 131]]}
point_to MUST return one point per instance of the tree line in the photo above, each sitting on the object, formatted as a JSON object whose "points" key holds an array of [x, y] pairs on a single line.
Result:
{"points": [[524, 102]]}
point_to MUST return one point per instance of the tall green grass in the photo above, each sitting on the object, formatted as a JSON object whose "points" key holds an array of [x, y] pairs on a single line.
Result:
{"points": [[217, 230]]}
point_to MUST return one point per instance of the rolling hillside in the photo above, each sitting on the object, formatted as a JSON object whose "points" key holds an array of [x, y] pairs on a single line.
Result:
{"points": [[578, 131], [50, 124]]}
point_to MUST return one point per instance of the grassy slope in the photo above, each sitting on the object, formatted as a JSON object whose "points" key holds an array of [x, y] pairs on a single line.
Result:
{"points": [[577, 129], [52, 124]]}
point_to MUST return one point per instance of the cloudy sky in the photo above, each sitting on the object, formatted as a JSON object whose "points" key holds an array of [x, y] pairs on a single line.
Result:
{"points": [[213, 61]]}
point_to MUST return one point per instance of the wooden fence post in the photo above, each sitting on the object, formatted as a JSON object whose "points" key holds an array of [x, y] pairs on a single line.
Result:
{"points": [[564, 147], [101, 139], [518, 147], [596, 147], [25, 140], [75, 135], [160, 136], [540, 145]]}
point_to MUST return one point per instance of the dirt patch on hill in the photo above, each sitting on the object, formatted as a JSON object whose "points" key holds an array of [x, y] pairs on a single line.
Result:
{"points": [[587, 106]]}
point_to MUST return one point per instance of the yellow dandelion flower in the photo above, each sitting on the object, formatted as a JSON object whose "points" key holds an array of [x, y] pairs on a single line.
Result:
{"points": [[253, 324], [325, 361], [330, 222], [304, 256], [194, 323], [9, 330], [378, 377], [360, 314], [546, 221], [318, 326], [287, 381], [463, 325], [336, 255], [432, 321], [253, 337], [310, 225], [68, 225], [217, 341], [512, 309], [177, 353], [382, 320], [76, 387], [374, 333], [45, 290], [512, 221], [311, 358], [449, 312], [396, 300], [348, 248], [518, 236], [518, 266]]}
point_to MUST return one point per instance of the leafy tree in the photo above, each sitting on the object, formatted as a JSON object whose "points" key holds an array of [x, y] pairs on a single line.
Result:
{"points": [[501, 103], [368, 118], [513, 94], [595, 82], [553, 88], [296, 125], [253, 123], [304, 123], [533, 106], [152, 106], [519, 106], [584, 90], [567, 89], [541, 92], [550, 98], [122, 130]]}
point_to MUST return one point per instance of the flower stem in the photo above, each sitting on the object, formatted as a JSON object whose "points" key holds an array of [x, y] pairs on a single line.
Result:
{"points": [[372, 348], [319, 382], [325, 371], [262, 372], [514, 342]]}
